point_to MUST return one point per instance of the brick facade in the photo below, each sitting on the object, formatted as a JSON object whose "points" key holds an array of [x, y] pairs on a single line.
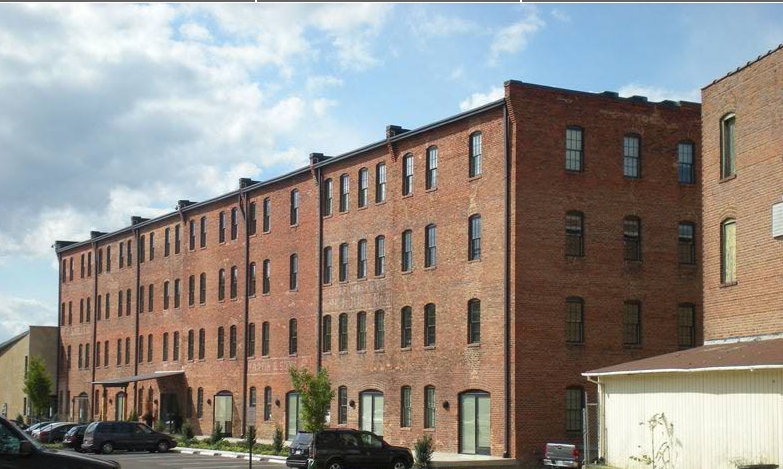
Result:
{"points": [[750, 306], [520, 365]]}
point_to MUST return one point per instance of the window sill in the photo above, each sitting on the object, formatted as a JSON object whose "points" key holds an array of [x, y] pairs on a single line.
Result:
{"points": [[291, 355], [407, 195], [429, 430], [474, 178], [382, 202], [363, 207], [252, 235], [361, 352], [294, 225], [572, 256], [728, 284], [473, 261], [728, 178], [326, 353], [266, 232], [632, 346], [343, 352], [429, 347], [325, 217], [361, 279], [327, 284], [431, 189], [632, 261], [406, 272], [687, 265], [574, 171], [475, 345], [577, 345], [688, 184], [432, 267], [266, 294], [405, 349]]}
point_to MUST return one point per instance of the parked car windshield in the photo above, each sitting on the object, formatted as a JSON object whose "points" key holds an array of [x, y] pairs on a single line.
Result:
{"points": [[371, 440]]}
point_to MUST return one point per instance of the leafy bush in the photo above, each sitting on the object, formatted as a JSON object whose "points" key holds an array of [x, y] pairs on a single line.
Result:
{"points": [[133, 417], [250, 438], [19, 419], [217, 434], [187, 431], [160, 426], [277, 440], [423, 449]]}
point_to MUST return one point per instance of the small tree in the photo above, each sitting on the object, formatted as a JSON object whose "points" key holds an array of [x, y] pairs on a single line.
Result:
{"points": [[37, 385], [277, 439], [315, 396], [217, 434], [423, 448]]}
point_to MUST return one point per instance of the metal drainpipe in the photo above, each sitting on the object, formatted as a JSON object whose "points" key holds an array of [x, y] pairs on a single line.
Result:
{"points": [[136, 332], [246, 313], [94, 333], [61, 323], [507, 289], [319, 357]]}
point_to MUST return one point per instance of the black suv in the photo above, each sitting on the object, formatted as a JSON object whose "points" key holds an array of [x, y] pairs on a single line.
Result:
{"points": [[343, 448], [105, 437], [18, 451]]}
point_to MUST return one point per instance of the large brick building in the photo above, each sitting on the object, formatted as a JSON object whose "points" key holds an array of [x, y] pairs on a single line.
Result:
{"points": [[454, 279]]}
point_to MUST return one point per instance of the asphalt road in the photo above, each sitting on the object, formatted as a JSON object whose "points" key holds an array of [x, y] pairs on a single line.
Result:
{"points": [[173, 460]]}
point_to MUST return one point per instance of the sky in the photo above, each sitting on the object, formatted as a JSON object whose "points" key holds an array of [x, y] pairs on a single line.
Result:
{"points": [[114, 110]]}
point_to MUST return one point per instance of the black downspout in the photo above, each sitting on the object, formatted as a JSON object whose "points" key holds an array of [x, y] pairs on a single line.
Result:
{"points": [[61, 323], [244, 202], [136, 335], [506, 287], [94, 334], [319, 357]]}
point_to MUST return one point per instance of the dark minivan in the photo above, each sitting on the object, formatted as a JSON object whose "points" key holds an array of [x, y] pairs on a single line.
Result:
{"points": [[105, 437], [18, 451], [344, 448]]}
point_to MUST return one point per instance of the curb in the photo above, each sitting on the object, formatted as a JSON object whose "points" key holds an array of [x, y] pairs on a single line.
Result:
{"points": [[230, 454]]}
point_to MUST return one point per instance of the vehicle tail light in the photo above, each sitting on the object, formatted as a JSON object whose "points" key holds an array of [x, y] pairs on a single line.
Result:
{"points": [[576, 454]]}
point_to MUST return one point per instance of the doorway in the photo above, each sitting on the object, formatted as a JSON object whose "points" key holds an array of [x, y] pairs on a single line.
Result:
{"points": [[474, 426]]}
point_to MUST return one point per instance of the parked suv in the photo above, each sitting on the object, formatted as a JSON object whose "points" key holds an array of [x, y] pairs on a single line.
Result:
{"points": [[75, 437], [19, 451], [561, 455], [105, 437], [344, 448]]}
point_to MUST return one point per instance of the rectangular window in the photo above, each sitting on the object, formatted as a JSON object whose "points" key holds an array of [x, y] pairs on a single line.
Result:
{"points": [[380, 256], [200, 403], [251, 219], [202, 291], [685, 163], [326, 198], [361, 330], [407, 251], [175, 348], [429, 407], [232, 342], [108, 255], [220, 342], [326, 334], [140, 299], [192, 235], [267, 403], [342, 397], [222, 227], [294, 207], [363, 187], [380, 183], [191, 344], [344, 262], [405, 407], [234, 224], [475, 155], [165, 346], [429, 246], [251, 340], [687, 245], [342, 338], [265, 281], [327, 273], [429, 325], [265, 339], [345, 183], [149, 348], [574, 149], [177, 239], [192, 290], [686, 330], [142, 254], [631, 157], [122, 255], [407, 175], [293, 282], [89, 262], [167, 242], [632, 240], [729, 251], [151, 296], [574, 242], [574, 321], [152, 250], [165, 295], [574, 406], [267, 220], [727, 151], [632, 332], [406, 327], [201, 344], [234, 286], [380, 330], [203, 232], [474, 321], [361, 259], [474, 238], [251, 281], [431, 178], [119, 352], [292, 337], [176, 293]]}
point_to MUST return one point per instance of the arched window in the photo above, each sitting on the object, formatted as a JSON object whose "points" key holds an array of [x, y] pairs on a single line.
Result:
{"points": [[474, 321], [474, 160], [431, 177], [345, 187], [728, 251], [221, 284], [727, 151], [429, 325], [326, 198], [292, 337], [407, 174], [293, 283], [294, 207]]}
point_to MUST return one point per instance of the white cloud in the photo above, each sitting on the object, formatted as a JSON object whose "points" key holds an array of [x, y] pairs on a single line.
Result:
{"points": [[425, 24], [514, 38], [322, 105], [656, 94], [18, 314], [477, 99], [560, 15], [195, 32], [320, 82]]}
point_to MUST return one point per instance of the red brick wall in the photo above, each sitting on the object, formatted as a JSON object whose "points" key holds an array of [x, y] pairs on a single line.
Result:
{"points": [[545, 277], [752, 306]]}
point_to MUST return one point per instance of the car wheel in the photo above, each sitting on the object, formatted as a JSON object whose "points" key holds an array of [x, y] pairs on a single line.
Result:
{"points": [[107, 447], [335, 465], [399, 464], [163, 446]]}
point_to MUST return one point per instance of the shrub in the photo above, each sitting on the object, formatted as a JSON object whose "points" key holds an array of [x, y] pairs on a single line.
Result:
{"points": [[187, 430], [19, 419], [423, 449], [277, 439], [133, 417], [250, 437], [217, 434], [160, 425]]}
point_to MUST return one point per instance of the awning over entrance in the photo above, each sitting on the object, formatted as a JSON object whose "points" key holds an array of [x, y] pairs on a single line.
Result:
{"points": [[122, 382], [737, 355]]}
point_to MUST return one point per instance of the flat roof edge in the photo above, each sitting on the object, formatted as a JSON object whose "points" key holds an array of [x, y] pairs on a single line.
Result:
{"points": [[589, 374]]}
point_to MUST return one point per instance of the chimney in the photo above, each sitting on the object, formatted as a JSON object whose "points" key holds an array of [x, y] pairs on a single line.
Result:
{"points": [[135, 220], [95, 234], [394, 130], [638, 99], [183, 203], [245, 182], [610, 94]]}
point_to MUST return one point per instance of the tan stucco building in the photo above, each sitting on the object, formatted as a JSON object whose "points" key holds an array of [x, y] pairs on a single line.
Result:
{"points": [[15, 354]]}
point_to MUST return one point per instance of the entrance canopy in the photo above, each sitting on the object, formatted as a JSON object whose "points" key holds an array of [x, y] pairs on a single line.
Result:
{"points": [[123, 382]]}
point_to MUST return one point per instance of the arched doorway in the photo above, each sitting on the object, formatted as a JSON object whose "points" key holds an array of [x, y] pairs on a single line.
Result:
{"points": [[82, 406], [474, 423], [224, 411], [371, 411]]}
